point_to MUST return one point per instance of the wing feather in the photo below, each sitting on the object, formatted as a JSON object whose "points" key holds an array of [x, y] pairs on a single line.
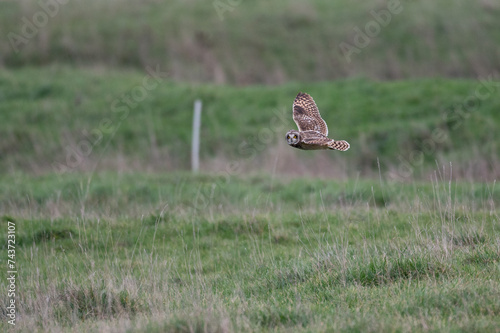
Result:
{"points": [[314, 137], [306, 115]]}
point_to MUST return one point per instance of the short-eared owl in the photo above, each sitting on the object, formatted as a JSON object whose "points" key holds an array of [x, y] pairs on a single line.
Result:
{"points": [[313, 132]]}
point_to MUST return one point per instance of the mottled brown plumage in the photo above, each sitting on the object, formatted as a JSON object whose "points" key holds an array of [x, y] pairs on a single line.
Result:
{"points": [[306, 115], [313, 131]]}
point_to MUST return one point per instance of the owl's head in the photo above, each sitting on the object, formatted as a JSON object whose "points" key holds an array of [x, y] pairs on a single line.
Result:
{"points": [[292, 137]]}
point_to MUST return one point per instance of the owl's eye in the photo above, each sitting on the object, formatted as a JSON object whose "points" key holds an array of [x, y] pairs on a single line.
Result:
{"points": [[294, 136]]}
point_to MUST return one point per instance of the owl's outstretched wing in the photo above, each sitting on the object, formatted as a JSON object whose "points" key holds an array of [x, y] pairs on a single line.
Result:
{"points": [[316, 140], [306, 115]]}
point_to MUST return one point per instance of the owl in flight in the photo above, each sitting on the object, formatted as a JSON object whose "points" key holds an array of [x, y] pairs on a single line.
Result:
{"points": [[313, 132]]}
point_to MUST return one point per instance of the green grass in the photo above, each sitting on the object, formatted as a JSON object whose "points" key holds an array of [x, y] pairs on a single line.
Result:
{"points": [[48, 116], [180, 253], [399, 234], [259, 41]]}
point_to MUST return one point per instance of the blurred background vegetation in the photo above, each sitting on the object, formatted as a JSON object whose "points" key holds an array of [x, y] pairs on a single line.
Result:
{"points": [[246, 61], [270, 42]]}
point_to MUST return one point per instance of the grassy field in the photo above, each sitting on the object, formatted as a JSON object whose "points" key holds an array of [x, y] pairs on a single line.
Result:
{"points": [[182, 253], [61, 119], [258, 41], [398, 234]]}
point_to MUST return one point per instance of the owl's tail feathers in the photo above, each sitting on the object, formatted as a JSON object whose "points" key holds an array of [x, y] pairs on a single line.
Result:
{"points": [[341, 145]]}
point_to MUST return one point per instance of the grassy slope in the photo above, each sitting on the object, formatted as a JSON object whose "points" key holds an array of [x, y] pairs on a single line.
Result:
{"points": [[262, 42], [180, 253], [44, 113]]}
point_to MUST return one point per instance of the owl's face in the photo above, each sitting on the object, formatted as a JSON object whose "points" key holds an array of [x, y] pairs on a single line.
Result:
{"points": [[293, 137]]}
